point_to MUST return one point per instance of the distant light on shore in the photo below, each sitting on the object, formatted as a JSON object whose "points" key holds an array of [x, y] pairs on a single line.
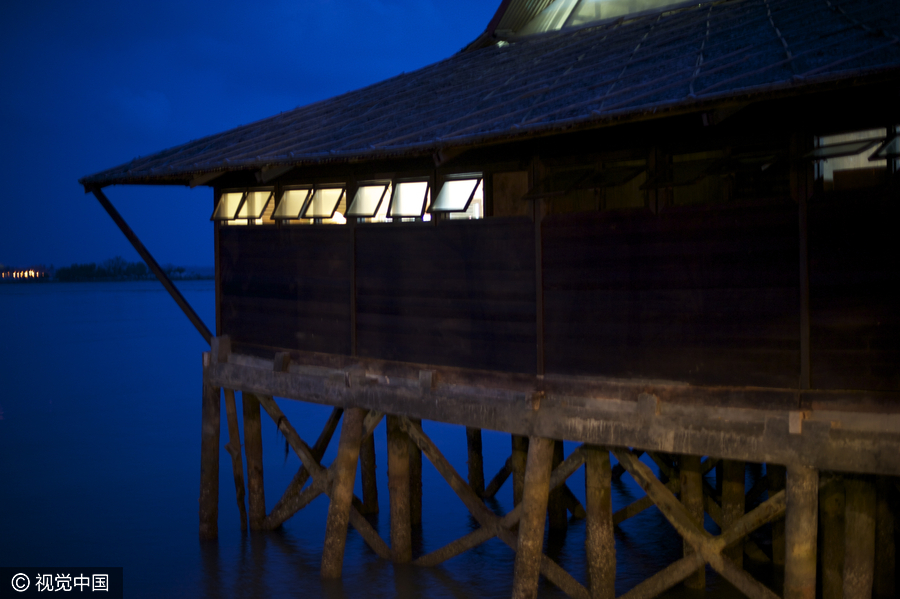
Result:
{"points": [[23, 274]]}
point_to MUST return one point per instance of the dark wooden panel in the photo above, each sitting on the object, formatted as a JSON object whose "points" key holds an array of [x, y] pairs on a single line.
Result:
{"points": [[287, 288], [459, 294], [854, 277], [707, 295]]}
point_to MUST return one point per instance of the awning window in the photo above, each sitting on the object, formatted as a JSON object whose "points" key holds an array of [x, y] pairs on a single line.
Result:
{"points": [[369, 197], [457, 194], [409, 199], [292, 203]]}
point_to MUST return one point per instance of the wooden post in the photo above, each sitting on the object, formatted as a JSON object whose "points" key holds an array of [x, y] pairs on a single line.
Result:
{"points": [[536, 492], [733, 505], [367, 468], [556, 505], [398, 488], [415, 480], [234, 449], [599, 543], [800, 529], [253, 450], [476, 460], [692, 499], [859, 537], [885, 548], [209, 460], [342, 493], [517, 463], [831, 517], [776, 475]]}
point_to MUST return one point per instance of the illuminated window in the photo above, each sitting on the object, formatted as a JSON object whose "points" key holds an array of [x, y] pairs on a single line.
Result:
{"points": [[324, 202], [847, 161], [369, 198], [228, 205], [561, 14], [462, 197], [292, 203], [243, 207], [409, 199]]}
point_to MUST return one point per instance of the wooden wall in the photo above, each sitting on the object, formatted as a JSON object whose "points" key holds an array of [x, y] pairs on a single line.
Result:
{"points": [[704, 294], [457, 294], [286, 288]]}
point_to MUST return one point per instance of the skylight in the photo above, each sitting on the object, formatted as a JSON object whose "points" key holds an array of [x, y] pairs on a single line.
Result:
{"points": [[561, 14]]}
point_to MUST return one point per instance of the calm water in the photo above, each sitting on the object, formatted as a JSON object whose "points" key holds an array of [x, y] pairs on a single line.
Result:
{"points": [[99, 466]]}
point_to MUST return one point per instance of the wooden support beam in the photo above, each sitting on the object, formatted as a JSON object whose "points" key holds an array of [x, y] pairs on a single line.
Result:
{"points": [[476, 460], [800, 529], [367, 468], [556, 503], [233, 447], [209, 460], [692, 499], [599, 542], [398, 487], [534, 512], [733, 504], [636, 507], [415, 480], [499, 478], [573, 505], [859, 537], [831, 524], [254, 451], [342, 493], [776, 475], [290, 502], [152, 264], [885, 547], [665, 579], [517, 463]]}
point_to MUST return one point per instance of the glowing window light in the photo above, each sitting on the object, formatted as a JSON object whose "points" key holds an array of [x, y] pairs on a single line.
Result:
{"points": [[408, 199], [291, 204], [254, 204], [228, 205], [323, 203], [368, 200], [456, 195]]}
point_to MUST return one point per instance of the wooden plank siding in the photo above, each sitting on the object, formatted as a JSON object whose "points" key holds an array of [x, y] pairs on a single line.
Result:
{"points": [[288, 287], [854, 252], [457, 294], [704, 294]]}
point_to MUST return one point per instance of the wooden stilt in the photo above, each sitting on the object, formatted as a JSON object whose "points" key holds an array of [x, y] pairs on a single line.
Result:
{"points": [[367, 468], [599, 543], [415, 480], [476, 460], [517, 464], [556, 504], [800, 530], [234, 449], [776, 476], [692, 499], [885, 548], [831, 518], [342, 493], [253, 449], [859, 537], [398, 487], [209, 462], [733, 505], [534, 512]]}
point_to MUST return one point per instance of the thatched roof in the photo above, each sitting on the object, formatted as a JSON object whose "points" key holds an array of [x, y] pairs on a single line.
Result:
{"points": [[674, 60]]}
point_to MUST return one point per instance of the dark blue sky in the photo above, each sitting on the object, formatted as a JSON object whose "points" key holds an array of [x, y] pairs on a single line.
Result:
{"points": [[90, 85]]}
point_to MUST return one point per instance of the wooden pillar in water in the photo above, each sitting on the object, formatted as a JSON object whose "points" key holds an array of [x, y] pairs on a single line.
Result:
{"points": [[415, 480], [733, 500], [831, 518], [517, 462], [234, 449], [599, 542], [556, 504], [885, 548], [476, 460], [253, 450], [398, 488], [535, 494], [342, 493], [859, 537], [209, 461], [367, 469], [692, 499], [800, 530], [776, 475]]}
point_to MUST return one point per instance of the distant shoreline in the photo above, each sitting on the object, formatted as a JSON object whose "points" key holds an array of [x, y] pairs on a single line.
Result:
{"points": [[45, 280]]}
